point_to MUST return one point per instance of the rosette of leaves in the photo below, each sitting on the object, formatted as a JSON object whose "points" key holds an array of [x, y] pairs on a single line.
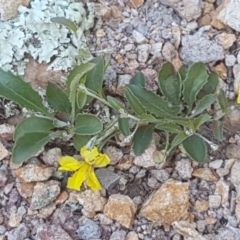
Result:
{"points": [[64, 115], [179, 108]]}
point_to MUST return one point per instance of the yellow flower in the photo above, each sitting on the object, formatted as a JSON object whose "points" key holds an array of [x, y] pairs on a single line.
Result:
{"points": [[84, 168], [238, 98]]}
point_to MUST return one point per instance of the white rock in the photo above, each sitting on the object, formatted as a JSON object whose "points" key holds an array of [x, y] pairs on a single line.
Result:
{"points": [[184, 168], [216, 164], [235, 174], [230, 60], [236, 73], [214, 201], [143, 52], [230, 14], [138, 37]]}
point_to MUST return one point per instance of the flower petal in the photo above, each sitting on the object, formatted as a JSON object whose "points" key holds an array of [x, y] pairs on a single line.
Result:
{"points": [[89, 155], [92, 180], [75, 182], [102, 160], [68, 163]]}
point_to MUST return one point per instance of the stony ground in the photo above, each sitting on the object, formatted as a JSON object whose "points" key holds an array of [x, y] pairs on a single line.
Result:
{"points": [[183, 200]]}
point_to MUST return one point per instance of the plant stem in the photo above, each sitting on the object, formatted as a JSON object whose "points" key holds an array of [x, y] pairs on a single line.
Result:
{"points": [[212, 145]]}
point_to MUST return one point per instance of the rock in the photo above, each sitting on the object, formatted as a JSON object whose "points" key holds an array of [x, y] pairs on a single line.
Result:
{"points": [[135, 3], [238, 57], [143, 52], [226, 39], [14, 220], [107, 178], [177, 62], [205, 20], [116, 13], [161, 175], [122, 81], [210, 220], [216, 22], [231, 121], [168, 51], [62, 197], [3, 178], [9, 9], [233, 151], [104, 220], [201, 206], [2, 237], [121, 208], [146, 159], [221, 70], [138, 37], [44, 193], [25, 189], [199, 48], [156, 48], [214, 201], [34, 173], [208, 8], [20, 233], [168, 204], [6, 131], [205, 174], [235, 176], [125, 163], [118, 235], [133, 64], [89, 230], [92, 201], [187, 9], [102, 11], [3, 152], [184, 168], [52, 156], [132, 236], [229, 233], [236, 74], [222, 188], [230, 14], [151, 78], [114, 153], [216, 164], [188, 230], [230, 60], [47, 211], [51, 232]]}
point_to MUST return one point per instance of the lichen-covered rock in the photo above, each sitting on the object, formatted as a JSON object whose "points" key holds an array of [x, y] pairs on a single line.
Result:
{"points": [[189, 10], [44, 193], [120, 208], [168, 204], [199, 48], [34, 173]]}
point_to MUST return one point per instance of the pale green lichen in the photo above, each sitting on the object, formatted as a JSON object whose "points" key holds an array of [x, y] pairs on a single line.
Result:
{"points": [[33, 32]]}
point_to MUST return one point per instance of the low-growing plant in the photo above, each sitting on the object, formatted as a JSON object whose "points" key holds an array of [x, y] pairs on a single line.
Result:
{"points": [[178, 109]]}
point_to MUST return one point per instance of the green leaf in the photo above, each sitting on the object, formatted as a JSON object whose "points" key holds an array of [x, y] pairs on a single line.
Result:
{"points": [[66, 22], [170, 85], [222, 100], [87, 124], [166, 71], [74, 78], [33, 125], [169, 127], [151, 102], [217, 129], [81, 99], [124, 127], [179, 139], [210, 87], [115, 104], [28, 145], [200, 120], [196, 77], [57, 98], [14, 88], [203, 104], [80, 141], [182, 72], [135, 104], [94, 80], [138, 79], [195, 148], [142, 139], [147, 118]]}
